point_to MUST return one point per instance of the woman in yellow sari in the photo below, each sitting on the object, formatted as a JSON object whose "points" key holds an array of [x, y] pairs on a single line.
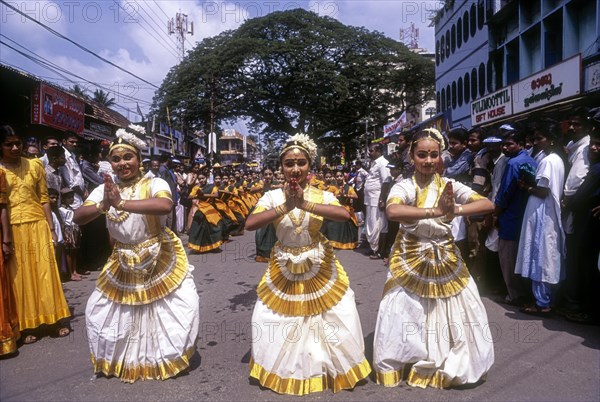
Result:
{"points": [[265, 237], [33, 271], [206, 232], [342, 235], [9, 324]]}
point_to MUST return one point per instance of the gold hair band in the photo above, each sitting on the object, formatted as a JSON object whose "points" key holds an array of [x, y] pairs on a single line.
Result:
{"points": [[123, 145]]}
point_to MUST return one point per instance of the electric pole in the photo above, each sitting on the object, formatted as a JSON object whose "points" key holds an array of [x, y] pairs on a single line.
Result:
{"points": [[366, 122], [180, 27]]}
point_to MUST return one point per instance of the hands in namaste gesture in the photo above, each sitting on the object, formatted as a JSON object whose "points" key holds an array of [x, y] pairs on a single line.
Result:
{"points": [[294, 195]]}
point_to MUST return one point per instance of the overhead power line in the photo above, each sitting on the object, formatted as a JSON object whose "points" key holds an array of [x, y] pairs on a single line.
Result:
{"points": [[41, 61], [163, 11], [85, 49], [158, 40], [160, 26], [169, 18]]}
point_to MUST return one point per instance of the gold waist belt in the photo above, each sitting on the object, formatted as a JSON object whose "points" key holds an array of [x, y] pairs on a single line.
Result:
{"points": [[297, 250]]}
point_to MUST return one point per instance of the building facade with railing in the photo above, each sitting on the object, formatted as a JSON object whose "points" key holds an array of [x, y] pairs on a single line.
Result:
{"points": [[507, 59], [235, 148]]}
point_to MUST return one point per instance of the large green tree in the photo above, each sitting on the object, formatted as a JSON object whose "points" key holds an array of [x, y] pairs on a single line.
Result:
{"points": [[294, 71]]}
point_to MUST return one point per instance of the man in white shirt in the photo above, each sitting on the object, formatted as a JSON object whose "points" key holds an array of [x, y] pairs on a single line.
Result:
{"points": [[376, 225], [577, 149], [358, 181], [48, 142], [72, 171]]}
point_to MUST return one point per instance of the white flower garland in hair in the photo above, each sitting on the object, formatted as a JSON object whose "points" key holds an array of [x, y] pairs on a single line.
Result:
{"points": [[137, 129], [132, 139], [436, 133], [307, 143]]}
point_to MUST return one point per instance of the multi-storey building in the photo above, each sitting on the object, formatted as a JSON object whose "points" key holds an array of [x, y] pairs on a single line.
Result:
{"points": [[508, 59], [234, 148]]}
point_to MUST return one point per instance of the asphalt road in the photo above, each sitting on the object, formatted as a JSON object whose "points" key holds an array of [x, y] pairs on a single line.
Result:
{"points": [[546, 359]]}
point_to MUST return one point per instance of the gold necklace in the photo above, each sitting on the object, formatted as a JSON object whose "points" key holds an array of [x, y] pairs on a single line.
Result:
{"points": [[122, 216], [297, 221]]}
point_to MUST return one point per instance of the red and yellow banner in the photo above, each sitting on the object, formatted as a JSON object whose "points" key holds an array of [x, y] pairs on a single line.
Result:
{"points": [[52, 107]]}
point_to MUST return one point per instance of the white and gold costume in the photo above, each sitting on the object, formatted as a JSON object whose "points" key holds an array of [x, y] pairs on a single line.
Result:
{"points": [[432, 326], [142, 319], [306, 333]]}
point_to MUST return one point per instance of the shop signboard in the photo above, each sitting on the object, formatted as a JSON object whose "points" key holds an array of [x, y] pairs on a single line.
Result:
{"points": [[591, 77], [55, 108], [492, 107], [101, 129], [556, 83]]}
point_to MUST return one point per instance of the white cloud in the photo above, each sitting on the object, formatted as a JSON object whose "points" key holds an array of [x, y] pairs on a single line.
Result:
{"points": [[389, 17], [134, 35]]}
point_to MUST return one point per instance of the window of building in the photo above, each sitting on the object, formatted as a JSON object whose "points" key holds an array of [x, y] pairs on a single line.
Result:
{"points": [[490, 76], [473, 21], [473, 84], [453, 39], [448, 96], [482, 79], [438, 101], [459, 33], [443, 99], [459, 91], [512, 61], [454, 95], [442, 49], [480, 14], [447, 43], [465, 27], [467, 87], [437, 53]]}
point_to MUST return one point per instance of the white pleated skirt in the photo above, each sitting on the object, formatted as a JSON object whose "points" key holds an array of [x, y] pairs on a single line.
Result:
{"points": [[151, 341], [440, 343], [302, 354]]}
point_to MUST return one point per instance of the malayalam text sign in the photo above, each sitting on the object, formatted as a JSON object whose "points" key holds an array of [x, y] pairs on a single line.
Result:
{"points": [[548, 86]]}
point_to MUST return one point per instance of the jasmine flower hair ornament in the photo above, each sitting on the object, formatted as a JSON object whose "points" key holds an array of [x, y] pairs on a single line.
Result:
{"points": [[430, 134], [302, 142], [127, 139]]}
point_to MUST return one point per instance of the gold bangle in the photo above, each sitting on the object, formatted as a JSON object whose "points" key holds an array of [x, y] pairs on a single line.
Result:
{"points": [[280, 210], [310, 206], [460, 210], [99, 209], [121, 205]]}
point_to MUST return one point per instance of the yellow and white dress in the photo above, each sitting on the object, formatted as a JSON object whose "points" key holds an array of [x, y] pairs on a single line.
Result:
{"points": [[432, 327], [142, 319], [306, 333]]}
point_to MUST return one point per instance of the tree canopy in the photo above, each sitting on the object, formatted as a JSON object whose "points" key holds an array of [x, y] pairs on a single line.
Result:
{"points": [[295, 71]]}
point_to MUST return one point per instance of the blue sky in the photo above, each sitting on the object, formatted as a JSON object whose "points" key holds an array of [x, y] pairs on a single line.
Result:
{"points": [[133, 35]]}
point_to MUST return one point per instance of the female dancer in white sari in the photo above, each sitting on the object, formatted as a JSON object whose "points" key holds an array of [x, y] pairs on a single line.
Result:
{"points": [[306, 334], [432, 326], [142, 319]]}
